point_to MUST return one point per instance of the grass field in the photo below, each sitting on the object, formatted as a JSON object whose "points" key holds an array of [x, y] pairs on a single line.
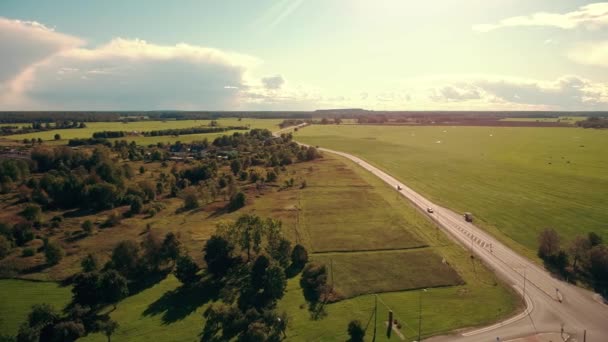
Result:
{"points": [[140, 126], [516, 181], [18, 296], [168, 312], [387, 271]]}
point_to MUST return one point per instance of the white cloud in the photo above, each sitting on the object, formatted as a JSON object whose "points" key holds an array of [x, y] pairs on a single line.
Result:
{"points": [[25, 44], [591, 16], [565, 93], [273, 82], [591, 53]]}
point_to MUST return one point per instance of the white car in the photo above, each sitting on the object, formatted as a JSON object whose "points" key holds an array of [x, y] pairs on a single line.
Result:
{"points": [[430, 210]]}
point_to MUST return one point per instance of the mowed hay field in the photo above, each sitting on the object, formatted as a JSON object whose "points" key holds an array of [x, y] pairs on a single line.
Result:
{"points": [[18, 296], [142, 126], [516, 181], [167, 311]]}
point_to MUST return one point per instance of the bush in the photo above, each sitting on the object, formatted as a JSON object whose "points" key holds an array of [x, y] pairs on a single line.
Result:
{"points": [[191, 201], [87, 226], [32, 213], [53, 253], [237, 201], [356, 331], [28, 252]]}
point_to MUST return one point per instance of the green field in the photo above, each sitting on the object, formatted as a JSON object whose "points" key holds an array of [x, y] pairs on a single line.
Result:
{"points": [[18, 296], [140, 126], [516, 181], [388, 271]]}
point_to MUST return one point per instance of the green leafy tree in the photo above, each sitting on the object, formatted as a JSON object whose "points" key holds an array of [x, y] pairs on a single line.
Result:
{"points": [[57, 136], [235, 166], [113, 287], [218, 255], [186, 270], [299, 256], [125, 257]]}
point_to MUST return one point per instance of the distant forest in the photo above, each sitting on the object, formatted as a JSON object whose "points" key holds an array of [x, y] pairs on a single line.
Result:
{"points": [[91, 116]]}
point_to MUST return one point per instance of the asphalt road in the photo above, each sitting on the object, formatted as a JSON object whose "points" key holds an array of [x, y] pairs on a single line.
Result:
{"points": [[552, 305]]}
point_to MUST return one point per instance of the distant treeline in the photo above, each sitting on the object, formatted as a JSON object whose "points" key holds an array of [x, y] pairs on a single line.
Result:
{"points": [[28, 117], [172, 131], [593, 122], [38, 126]]}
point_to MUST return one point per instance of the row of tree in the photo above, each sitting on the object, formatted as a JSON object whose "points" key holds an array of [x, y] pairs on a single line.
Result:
{"points": [[585, 258]]}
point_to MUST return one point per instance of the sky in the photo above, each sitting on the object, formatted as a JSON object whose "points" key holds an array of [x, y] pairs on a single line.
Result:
{"points": [[303, 55]]}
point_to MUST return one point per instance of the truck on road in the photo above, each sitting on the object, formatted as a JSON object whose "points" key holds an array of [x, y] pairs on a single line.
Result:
{"points": [[468, 217]]}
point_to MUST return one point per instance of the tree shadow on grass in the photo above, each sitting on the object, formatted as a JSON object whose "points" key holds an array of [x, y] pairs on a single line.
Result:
{"points": [[148, 280], [181, 302]]}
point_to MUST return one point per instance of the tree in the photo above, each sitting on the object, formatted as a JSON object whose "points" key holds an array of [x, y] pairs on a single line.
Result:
{"points": [[356, 331], [32, 213], [109, 327], [137, 205], [218, 255], [579, 248], [142, 170], [68, 331], [170, 249], [299, 256], [598, 265], [125, 257], [235, 166], [85, 290], [53, 253], [113, 287], [279, 249], [314, 282], [275, 283], [89, 263], [5, 246], [237, 201], [87, 226], [186, 270], [57, 136], [152, 249], [594, 239], [191, 200], [258, 271], [548, 243]]}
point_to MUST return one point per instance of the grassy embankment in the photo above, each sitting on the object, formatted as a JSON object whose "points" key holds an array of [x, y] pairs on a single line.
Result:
{"points": [[516, 181]]}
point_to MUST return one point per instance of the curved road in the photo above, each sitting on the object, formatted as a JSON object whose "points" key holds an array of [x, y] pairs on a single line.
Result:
{"points": [[552, 305]]}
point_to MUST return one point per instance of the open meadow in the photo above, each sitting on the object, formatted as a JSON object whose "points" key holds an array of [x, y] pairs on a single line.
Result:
{"points": [[515, 181], [383, 245]]}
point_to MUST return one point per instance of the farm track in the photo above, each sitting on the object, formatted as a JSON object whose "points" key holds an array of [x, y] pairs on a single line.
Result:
{"points": [[552, 305]]}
